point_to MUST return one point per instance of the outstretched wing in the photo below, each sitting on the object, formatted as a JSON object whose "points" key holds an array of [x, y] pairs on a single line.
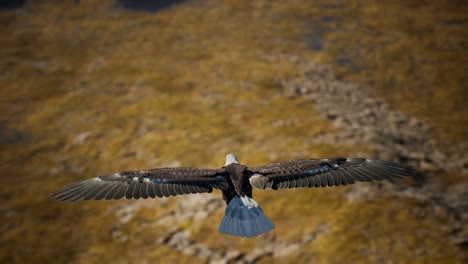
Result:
{"points": [[143, 184], [325, 172]]}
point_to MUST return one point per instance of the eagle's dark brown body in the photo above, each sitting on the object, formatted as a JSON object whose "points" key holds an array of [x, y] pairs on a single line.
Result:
{"points": [[238, 181], [243, 216]]}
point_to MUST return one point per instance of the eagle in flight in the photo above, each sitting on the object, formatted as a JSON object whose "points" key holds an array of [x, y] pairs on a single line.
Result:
{"points": [[243, 216]]}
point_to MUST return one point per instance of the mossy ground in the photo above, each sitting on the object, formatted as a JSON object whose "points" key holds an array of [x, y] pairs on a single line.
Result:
{"points": [[88, 90]]}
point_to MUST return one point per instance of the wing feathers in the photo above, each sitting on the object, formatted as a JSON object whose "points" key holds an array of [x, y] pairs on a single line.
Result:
{"points": [[144, 190], [144, 184], [325, 172], [136, 190], [104, 191], [337, 178], [331, 181], [112, 192], [120, 192], [129, 193], [165, 190]]}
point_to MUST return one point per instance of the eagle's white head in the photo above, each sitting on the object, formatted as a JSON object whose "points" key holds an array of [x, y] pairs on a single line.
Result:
{"points": [[230, 159]]}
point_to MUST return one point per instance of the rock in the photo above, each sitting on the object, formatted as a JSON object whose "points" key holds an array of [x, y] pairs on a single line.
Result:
{"points": [[427, 166]]}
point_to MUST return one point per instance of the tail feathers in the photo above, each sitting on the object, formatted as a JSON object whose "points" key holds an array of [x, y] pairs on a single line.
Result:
{"points": [[243, 217]]}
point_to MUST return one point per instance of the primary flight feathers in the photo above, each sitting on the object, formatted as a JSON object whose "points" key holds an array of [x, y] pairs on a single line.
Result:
{"points": [[243, 216]]}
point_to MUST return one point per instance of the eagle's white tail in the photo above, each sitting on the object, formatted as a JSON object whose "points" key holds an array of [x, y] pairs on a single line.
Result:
{"points": [[245, 218]]}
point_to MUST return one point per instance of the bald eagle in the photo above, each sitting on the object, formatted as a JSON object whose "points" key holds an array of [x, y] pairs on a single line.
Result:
{"points": [[243, 216]]}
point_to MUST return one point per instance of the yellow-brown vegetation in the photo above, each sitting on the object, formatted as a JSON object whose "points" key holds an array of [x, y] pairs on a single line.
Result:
{"points": [[91, 89]]}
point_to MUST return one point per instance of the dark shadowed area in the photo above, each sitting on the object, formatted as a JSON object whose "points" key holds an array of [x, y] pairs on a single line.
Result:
{"points": [[8, 4], [95, 87], [151, 6]]}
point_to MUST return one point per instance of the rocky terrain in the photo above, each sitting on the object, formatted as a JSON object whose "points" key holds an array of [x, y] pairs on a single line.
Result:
{"points": [[362, 119], [91, 87]]}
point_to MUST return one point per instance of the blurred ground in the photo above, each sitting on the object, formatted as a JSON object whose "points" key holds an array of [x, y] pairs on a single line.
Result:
{"points": [[89, 89]]}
